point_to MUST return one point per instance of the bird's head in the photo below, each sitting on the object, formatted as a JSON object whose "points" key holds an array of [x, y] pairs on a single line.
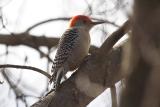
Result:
{"points": [[83, 21]]}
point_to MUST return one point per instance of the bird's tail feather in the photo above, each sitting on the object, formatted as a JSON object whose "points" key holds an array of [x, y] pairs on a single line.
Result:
{"points": [[58, 78]]}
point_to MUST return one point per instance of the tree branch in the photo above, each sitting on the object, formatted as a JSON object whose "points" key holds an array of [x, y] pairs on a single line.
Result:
{"points": [[26, 67], [113, 39], [28, 40]]}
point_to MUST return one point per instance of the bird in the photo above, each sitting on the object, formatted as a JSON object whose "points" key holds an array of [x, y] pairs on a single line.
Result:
{"points": [[72, 48]]}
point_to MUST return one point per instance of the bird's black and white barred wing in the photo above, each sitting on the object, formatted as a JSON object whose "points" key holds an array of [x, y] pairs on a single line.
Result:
{"points": [[66, 44]]}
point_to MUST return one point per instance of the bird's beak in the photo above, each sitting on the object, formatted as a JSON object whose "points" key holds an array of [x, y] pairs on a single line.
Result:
{"points": [[96, 23]]}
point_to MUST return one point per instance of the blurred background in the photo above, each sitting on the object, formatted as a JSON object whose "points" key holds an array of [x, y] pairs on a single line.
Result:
{"points": [[22, 88]]}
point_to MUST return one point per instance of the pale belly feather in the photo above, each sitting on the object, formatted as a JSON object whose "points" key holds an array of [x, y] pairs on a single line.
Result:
{"points": [[80, 52]]}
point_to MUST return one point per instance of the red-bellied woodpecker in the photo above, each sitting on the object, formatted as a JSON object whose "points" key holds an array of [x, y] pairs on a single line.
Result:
{"points": [[73, 47]]}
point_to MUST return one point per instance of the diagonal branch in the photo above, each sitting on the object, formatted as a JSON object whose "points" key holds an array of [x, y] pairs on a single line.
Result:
{"points": [[113, 39]]}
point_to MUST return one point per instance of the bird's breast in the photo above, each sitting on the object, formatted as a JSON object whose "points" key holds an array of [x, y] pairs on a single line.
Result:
{"points": [[80, 50]]}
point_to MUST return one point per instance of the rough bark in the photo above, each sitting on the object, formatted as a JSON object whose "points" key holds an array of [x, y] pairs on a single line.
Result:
{"points": [[142, 88]]}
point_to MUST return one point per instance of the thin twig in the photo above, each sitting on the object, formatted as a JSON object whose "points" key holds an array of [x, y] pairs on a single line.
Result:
{"points": [[26, 67], [46, 21], [43, 54], [17, 91]]}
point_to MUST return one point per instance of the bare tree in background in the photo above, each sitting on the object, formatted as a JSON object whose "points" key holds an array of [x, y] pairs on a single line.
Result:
{"points": [[137, 65]]}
